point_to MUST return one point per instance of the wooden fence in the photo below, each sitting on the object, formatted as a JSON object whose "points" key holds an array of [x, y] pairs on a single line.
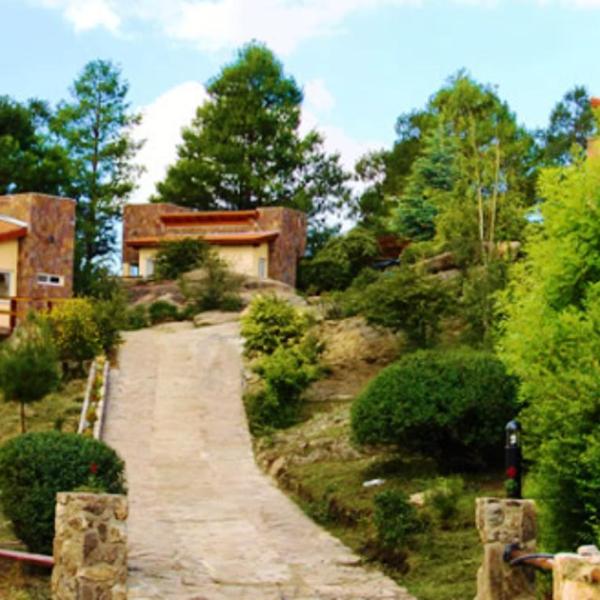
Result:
{"points": [[18, 307]]}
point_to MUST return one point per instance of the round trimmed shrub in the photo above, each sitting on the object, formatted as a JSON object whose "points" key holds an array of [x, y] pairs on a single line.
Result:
{"points": [[451, 405], [36, 466]]}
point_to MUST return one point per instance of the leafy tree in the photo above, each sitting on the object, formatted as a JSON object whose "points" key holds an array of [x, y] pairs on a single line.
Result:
{"points": [[432, 178], [180, 256], [244, 149], [572, 124], [95, 128], [28, 365], [385, 173], [551, 341], [30, 160]]}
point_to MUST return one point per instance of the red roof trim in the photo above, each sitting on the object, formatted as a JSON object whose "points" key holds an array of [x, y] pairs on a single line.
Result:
{"points": [[220, 239], [13, 234], [225, 216]]}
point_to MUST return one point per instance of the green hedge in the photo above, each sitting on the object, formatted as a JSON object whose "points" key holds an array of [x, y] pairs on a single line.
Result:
{"points": [[35, 466], [452, 405]]}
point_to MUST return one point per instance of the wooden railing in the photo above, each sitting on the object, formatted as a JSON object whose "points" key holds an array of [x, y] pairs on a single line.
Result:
{"points": [[20, 306]]}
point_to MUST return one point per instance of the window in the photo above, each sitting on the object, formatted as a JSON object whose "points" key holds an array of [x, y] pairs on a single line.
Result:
{"points": [[4, 284], [149, 267], [47, 279], [134, 270], [262, 268]]}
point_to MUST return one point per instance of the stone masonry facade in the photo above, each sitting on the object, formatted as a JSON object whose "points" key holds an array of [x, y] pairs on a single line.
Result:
{"points": [[90, 547], [49, 245], [285, 251]]}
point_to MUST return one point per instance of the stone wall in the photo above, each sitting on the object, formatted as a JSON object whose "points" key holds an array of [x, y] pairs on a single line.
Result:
{"points": [[288, 248], [49, 245], [143, 220], [501, 522], [90, 547], [577, 576]]}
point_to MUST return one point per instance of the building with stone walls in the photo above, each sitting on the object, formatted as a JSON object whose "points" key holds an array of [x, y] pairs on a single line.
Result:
{"points": [[265, 242], [37, 244]]}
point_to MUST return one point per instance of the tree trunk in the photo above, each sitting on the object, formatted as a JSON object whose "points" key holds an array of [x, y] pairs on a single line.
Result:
{"points": [[23, 428]]}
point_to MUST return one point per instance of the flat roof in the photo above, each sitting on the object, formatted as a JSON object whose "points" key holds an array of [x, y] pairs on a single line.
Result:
{"points": [[221, 239]]}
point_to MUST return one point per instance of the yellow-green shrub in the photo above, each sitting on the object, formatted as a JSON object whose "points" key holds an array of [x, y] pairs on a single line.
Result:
{"points": [[75, 330]]}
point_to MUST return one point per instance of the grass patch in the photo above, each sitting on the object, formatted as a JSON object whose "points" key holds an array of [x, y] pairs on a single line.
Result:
{"points": [[442, 562], [59, 410]]}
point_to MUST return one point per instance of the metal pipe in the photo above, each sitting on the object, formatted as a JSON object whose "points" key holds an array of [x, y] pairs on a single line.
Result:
{"points": [[514, 557], [40, 560]]}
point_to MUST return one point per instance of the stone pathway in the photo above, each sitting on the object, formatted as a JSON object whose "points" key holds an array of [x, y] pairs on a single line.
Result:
{"points": [[205, 523]]}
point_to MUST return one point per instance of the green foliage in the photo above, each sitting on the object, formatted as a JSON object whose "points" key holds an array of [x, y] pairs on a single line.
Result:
{"points": [[109, 316], [178, 257], [161, 311], [75, 330], [28, 365], [339, 261], [395, 518], [444, 498], [451, 405], [35, 466], [136, 317], [572, 124], [550, 340], [214, 287], [29, 159], [95, 129], [407, 299], [286, 373], [244, 149], [432, 178], [271, 322]]}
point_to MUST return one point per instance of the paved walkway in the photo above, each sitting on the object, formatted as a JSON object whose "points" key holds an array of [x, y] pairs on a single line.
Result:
{"points": [[205, 523]]}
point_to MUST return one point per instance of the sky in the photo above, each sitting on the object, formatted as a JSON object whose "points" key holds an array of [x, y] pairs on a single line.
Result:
{"points": [[361, 63]]}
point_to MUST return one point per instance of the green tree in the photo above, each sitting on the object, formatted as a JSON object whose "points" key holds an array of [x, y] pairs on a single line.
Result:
{"points": [[572, 124], [551, 341], [29, 366], [432, 178], [30, 160], [95, 127], [244, 149]]}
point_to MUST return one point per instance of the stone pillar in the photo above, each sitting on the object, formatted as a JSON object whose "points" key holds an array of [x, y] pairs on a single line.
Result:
{"points": [[577, 576], [501, 522], [90, 547]]}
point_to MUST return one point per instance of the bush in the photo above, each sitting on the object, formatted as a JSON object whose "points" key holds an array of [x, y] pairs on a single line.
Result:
{"points": [[407, 299], [396, 520], [272, 322], [451, 405], [75, 330], [178, 257], [162, 311], [28, 365], [109, 316], [339, 261], [214, 287], [286, 374], [444, 498], [35, 466], [136, 317]]}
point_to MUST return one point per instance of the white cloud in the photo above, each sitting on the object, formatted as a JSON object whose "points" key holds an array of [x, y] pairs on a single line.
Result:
{"points": [[161, 127], [318, 96], [84, 15], [220, 24]]}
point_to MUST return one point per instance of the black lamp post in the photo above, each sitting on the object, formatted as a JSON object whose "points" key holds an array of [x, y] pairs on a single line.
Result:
{"points": [[513, 459]]}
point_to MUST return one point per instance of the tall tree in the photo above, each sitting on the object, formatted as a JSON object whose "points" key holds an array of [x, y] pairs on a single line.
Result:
{"points": [[95, 127], [572, 124], [384, 174], [244, 149], [30, 160]]}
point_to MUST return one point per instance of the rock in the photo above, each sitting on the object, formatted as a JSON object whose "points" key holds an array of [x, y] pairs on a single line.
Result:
{"points": [[418, 499], [373, 483], [215, 317], [278, 466]]}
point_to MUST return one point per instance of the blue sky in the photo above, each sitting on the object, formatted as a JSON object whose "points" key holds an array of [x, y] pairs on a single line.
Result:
{"points": [[361, 62]]}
